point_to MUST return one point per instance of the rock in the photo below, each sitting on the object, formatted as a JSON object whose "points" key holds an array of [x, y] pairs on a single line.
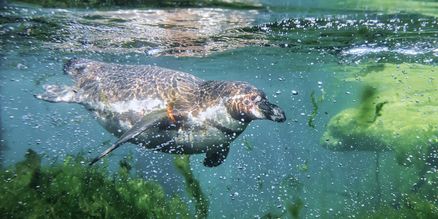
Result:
{"points": [[398, 111]]}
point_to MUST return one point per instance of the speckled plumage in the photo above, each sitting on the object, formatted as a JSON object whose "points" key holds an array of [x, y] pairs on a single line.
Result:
{"points": [[202, 116], [103, 82]]}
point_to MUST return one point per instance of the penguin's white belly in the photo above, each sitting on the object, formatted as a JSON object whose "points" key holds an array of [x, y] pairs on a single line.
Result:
{"points": [[206, 132], [192, 141], [197, 135], [194, 137]]}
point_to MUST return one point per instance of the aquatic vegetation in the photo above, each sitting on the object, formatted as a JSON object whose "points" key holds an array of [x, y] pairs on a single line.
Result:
{"points": [[304, 167], [30, 32], [31, 190], [247, 144], [314, 110], [412, 206], [182, 163], [35, 28], [315, 106], [294, 208], [395, 113], [290, 191]]}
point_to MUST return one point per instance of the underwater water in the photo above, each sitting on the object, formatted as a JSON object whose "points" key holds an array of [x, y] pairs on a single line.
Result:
{"points": [[358, 81]]}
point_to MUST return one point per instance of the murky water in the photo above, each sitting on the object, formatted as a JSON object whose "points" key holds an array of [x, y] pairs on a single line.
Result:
{"points": [[313, 60]]}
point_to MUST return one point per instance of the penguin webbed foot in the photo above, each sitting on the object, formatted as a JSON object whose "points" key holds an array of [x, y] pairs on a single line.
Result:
{"points": [[216, 157], [211, 163]]}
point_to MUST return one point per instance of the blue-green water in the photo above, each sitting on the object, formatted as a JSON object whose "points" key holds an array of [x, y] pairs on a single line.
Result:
{"points": [[293, 51]]}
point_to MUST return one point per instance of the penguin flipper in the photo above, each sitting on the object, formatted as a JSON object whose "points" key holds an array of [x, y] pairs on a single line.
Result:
{"points": [[215, 157], [149, 121]]}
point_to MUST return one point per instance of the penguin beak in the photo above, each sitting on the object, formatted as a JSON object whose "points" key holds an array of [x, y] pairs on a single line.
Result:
{"points": [[272, 111]]}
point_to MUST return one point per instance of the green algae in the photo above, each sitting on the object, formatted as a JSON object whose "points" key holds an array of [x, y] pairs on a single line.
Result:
{"points": [[72, 189], [412, 206], [396, 112], [291, 197], [31, 31], [290, 191], [315, 101], [294, 208], [314, 110], [247, 144], [304, 167], [315, 106], [364, 201], [182, 163]]}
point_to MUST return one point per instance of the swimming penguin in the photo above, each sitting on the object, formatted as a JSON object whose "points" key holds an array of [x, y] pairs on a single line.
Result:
{"points": [[162, 109]]}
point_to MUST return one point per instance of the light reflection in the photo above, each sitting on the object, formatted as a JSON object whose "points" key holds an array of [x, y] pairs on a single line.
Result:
{"points": [[179, 32]]}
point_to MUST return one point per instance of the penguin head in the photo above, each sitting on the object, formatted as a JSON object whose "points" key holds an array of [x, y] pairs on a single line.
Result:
{"points": [[247, 103]]}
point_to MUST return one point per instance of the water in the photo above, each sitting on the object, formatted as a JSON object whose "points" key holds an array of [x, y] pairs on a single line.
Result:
{"points": [[310, 59]]}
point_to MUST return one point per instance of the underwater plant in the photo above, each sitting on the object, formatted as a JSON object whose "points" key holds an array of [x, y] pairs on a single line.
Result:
{"points": [[290, 191], [182, 163], [315, 106], [412, 206], [72, 189]]}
